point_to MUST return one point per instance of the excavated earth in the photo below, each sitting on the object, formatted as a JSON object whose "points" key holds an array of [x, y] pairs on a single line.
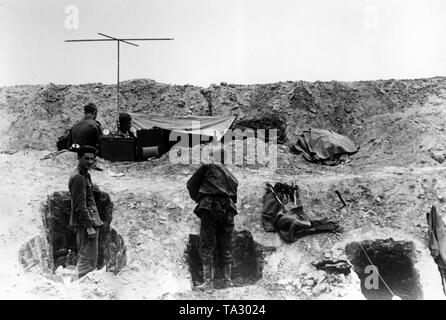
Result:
{"points": [[389, 186]]}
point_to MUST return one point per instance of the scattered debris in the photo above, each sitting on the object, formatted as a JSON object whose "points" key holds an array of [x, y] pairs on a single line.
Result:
{"points": [[54, 154], [9, 151], [340, 198], [115, 174], [333, 266]]}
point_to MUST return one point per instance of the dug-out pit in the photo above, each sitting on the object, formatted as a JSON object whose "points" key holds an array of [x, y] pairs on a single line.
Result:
{"points": [[247, 260], [58, 248], [394, 260]]}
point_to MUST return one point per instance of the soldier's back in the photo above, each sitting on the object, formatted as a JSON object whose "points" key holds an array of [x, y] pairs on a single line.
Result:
{"points": [[85, 132]]}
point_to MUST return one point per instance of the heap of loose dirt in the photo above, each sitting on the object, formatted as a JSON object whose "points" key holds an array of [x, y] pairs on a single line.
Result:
{"points": [[388, 185], [394, 120]]}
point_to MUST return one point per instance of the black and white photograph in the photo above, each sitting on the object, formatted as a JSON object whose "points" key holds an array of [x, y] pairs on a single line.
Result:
{"points": [[207, 150]]}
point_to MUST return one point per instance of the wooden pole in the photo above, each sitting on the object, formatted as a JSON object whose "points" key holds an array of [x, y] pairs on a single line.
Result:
{"points": [[117, 84]]}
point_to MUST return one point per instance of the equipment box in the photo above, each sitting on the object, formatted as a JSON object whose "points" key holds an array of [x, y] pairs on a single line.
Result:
{"points": [[118, 148], [148, 139]]}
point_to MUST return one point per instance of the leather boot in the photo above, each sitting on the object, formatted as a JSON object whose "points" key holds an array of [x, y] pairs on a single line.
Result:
{"points": [[227, 282], [208, 277]]}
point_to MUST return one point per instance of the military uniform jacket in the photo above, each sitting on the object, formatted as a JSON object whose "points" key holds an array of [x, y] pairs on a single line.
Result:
{"points": [[213, 182], [86, 132], [84, 212]]}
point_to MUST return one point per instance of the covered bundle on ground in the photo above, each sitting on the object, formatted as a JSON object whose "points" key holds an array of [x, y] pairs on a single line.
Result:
{"points": [[323, 146], [283, 212]]}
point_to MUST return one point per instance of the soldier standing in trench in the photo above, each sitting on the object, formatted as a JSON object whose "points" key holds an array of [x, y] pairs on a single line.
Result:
{"points": [[85, 217], [214, 188]]}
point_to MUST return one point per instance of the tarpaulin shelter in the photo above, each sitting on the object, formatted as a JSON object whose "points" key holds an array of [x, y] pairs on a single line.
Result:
{"points": [[326, 146], [155, 131], [205, 126]]}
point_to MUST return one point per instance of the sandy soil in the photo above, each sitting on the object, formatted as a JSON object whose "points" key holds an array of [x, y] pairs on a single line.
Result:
{"points": [[389, 186], [154, 214]]}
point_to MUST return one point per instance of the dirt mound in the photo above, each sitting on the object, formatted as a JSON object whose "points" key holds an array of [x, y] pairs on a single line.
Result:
{"points": [[377, 115], [43, 113], [389, 185]]}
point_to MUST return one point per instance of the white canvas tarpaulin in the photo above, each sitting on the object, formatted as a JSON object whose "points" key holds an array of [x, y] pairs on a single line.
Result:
{"points": [[207, 126]]}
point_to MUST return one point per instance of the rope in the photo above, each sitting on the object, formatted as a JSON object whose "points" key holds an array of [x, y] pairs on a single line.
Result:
{"points": [[368, 258]]}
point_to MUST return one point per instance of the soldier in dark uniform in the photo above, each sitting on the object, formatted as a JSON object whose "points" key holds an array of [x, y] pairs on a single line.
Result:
{"points": [[125, 128], [85, 217], [88, 131], [214, 188]]}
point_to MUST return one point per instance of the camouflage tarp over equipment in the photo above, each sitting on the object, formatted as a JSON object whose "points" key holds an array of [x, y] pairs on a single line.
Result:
{"points": [[283, 212], [319, 145]]}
